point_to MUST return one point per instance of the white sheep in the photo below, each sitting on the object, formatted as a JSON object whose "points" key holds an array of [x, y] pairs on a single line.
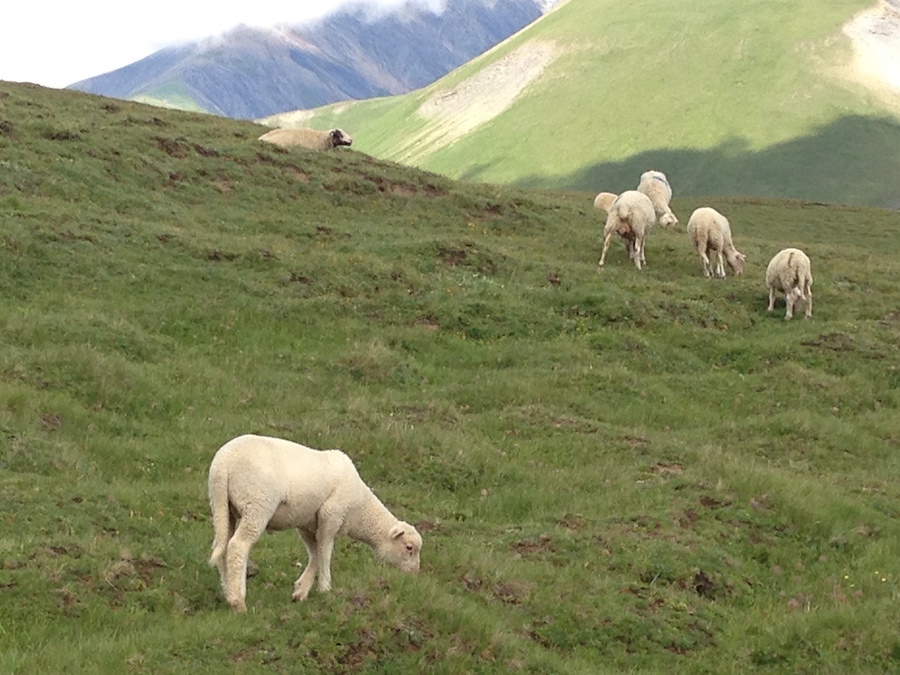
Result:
{"points": [[602, 202], [655, 185], [711, 235], [789, 272], [312, 139], [630, 216], [259, 483]]}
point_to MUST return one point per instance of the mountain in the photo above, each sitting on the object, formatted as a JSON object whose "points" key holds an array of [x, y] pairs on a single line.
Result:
{"points": [[353, 54], [771, 98]]}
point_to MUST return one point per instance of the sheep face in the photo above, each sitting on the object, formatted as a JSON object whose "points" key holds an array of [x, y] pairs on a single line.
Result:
{"points": [[736, 263], [795, 296], [402, 548], [604, 200], [340, 137], [668, 220]]}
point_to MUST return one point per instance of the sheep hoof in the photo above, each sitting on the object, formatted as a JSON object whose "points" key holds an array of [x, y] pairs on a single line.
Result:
{"points": [[299, 596], [239, 607]]}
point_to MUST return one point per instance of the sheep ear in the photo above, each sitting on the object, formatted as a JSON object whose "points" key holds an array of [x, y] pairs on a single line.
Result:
{"points": [[397, 531]]}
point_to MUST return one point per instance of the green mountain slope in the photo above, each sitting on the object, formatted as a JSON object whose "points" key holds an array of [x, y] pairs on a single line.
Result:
{"points": [[613, 472], [726, 98]]}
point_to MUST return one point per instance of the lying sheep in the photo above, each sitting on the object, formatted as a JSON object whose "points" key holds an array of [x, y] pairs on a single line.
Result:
{"points": [[307, 138], [789, 272], [258, 483], [711, 234], [655, 185], [630, 216]]}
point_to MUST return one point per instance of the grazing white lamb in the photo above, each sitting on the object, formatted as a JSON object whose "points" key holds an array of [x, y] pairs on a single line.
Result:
{"points": [[655, 185], [711, 235], [789, 272], [259, 483], [630, 216], [312, 139]]}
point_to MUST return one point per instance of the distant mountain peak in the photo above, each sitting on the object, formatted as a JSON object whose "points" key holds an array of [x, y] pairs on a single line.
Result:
{"points": [[251, 72]]}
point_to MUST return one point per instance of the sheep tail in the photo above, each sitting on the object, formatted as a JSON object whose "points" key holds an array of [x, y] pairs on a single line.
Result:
{"points": [[221, 517], [624, 213], [804, 286]]}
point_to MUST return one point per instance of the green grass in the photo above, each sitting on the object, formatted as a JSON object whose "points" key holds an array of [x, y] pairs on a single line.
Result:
{"points": [[170, 95], [726, 98], [619, 471]]}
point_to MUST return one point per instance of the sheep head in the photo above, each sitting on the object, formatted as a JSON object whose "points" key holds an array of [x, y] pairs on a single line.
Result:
{"points": [[401, 548], [736, 261], [668, 220], [795, 295], [604, 200], [340, 137]]}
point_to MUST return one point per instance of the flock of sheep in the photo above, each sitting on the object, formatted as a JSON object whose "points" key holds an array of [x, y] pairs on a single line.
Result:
{"points": [[259, 483], [632, 214]]}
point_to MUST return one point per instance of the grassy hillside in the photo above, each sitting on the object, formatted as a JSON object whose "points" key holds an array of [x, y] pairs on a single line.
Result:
{"points": [[727, 98], [171, 95], [617, 471]]}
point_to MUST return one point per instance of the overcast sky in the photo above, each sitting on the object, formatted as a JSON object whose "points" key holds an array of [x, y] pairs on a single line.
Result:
{"points": [[57, 43]]}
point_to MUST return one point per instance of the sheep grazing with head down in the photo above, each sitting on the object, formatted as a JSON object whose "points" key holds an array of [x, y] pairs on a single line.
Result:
{"points": [[655, 185], [790, 272], [710, 234], [311, 139], [259, 483], [630, 216]]}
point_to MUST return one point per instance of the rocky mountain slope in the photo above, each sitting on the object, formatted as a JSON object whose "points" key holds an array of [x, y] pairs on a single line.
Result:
{"points": [[782, 99], [254, 72]]}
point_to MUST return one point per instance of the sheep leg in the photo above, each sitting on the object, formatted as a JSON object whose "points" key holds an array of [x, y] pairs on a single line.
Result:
{"points": [[606, 243], [632, 244], [771, 299], [704, 260], [305, 582], [222, 563], [638, 252], [245, 536], [326, 533], [789, 301], [720, 265], [808, 302]]}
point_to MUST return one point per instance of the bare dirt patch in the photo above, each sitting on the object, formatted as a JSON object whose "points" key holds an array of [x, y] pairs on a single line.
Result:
{"points": [[294, 118], [452, 113], [875, 34]]}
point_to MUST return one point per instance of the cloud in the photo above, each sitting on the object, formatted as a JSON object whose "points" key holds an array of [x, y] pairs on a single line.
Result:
{"points": [[58, 43]]}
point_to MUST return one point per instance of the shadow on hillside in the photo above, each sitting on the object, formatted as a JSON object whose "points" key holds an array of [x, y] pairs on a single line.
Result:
{"points": [[854, 160]]}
